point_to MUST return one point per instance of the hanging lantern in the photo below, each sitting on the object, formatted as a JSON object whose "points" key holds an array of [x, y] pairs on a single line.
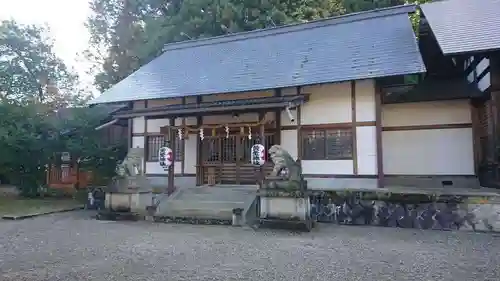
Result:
{"points": [[179, 134], [165, 157], [214, 132], [226, 129], [242, 131], [258, 155], [202, 136], [249, 132]]}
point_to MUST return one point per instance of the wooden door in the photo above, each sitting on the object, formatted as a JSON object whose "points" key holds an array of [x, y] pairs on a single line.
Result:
{"points": [[229, 158]]}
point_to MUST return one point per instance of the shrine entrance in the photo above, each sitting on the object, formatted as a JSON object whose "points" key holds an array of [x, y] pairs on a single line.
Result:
{"points": [[226, 158]]}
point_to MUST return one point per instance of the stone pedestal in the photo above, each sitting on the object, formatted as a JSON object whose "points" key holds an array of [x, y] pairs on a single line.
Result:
{"points": [[285, 207]]}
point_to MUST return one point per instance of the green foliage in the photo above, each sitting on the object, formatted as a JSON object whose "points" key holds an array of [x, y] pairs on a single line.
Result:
{"points": [[35, 85], [30, 71], [128, 34]]}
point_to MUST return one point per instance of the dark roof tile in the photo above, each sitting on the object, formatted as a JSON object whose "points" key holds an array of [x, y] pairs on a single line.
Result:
{"points": [[462, 26], [358, 46]]}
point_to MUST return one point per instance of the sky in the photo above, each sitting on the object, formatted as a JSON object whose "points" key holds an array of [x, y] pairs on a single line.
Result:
{"points": [[66, 20]]}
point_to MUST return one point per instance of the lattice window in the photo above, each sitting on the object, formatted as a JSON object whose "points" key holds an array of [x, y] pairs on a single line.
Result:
{"points": [[211, 149], [327, 144], [153, 144], [228, 149]]}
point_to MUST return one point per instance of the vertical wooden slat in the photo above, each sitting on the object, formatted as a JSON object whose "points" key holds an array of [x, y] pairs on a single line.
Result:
{"points": [[378, 134], [199, 170], [171, 169], [183, 142], [353, 127], [239, 156], [475, 135], [277, 116], [299, 127], [495, 107], [262, 135], [130, 130], [145, 139]]}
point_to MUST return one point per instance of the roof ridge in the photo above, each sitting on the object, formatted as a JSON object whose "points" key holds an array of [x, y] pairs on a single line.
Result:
{"points": [[348, 18]]}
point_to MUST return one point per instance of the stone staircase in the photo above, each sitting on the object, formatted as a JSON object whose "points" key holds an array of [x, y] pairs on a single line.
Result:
{"points": [[206, 203]]}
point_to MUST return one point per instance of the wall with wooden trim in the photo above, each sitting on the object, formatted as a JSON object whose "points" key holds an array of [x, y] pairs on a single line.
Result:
{"points": [[141, 128], [289, 142], [428, 138], [349, 104]]}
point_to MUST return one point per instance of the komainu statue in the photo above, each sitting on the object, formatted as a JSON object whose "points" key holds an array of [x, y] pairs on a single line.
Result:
{"points": [[130, 176], [287, 173], [131, 166]]}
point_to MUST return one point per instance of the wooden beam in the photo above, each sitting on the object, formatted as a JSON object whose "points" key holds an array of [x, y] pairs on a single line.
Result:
{"points": [[145, 139], [171, 168], [262, 135], [277, 118], [129, 134], [353, 127], [378, 135], [476, 127], [475, 62], [183, 142], [299, 126], [199, 147]]}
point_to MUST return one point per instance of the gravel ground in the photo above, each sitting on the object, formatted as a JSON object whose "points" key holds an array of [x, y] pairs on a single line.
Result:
{"points": [[71, 246]]}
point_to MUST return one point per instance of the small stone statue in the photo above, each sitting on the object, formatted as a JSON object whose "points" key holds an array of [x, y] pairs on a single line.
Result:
{"points": [[131, 166], [283, 161], [130, 176]]}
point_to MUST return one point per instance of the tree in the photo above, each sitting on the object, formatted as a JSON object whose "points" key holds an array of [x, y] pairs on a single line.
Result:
{"points": [[128, 34], [30, 71], [34, 85]]}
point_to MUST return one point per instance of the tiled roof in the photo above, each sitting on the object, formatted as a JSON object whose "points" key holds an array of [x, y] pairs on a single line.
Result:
{"points": [[357, 46], [462, 26]]}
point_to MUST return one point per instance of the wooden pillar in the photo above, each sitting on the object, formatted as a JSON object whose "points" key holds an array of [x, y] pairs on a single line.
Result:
{"points": [[145, 144], [130, 131], [262, 135], [378, 136], [299, 127], [183, 142], [199, 147], [277, 118], [172, 145], [353, 127], [495, 107]]}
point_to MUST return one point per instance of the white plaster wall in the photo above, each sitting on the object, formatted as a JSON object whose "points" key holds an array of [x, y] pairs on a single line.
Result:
{"points": [[365, 100], [138, 142], [426, 113], [285, 120], [190, 152], [366, 148], [138, 125], [331, 103], [289, 142], [428, 152], [154, 125], [327, 167], [328, 103]]}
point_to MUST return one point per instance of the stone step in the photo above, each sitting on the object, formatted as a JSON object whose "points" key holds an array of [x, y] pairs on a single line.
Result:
{"points": [[205, 203]]}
